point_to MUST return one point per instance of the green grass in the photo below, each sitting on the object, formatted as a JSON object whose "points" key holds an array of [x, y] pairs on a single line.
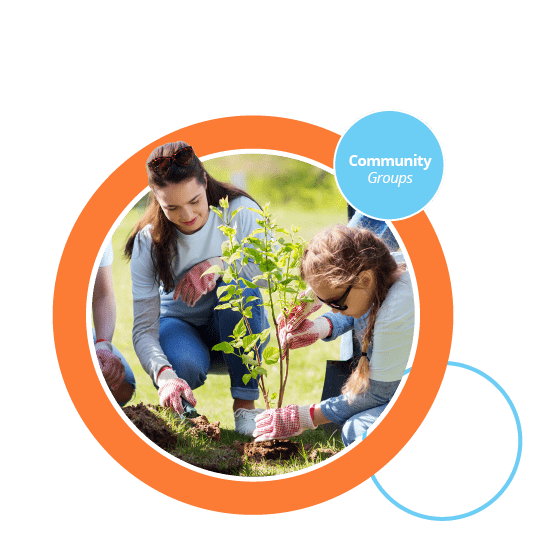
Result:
{"points": [[221, 456], [307, 365]]}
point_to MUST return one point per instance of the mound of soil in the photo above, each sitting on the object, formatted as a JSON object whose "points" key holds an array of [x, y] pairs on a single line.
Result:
{"points": [[321, 454], [270, 450], [151, 426], [201, 424]]}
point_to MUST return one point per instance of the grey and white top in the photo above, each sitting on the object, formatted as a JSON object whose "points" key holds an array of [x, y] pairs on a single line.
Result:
{"points": [[393, 331]]}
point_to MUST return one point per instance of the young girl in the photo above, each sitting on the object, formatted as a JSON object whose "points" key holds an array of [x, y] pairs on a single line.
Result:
{"points": [[174, 243], [353, 272]]}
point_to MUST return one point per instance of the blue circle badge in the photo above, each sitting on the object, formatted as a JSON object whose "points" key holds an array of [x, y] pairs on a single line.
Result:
{"points": [[388, 165]]}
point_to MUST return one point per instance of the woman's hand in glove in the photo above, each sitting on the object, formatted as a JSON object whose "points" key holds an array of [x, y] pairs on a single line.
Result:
{"points": [[193, 284], [172, 389]]}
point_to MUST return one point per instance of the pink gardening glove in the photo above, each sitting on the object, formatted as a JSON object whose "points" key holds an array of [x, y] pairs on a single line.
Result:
{"points": [[297, 316], [306, 334], [171, 389], [301, 312], [193, 284], [283, 423], [111, 365]]}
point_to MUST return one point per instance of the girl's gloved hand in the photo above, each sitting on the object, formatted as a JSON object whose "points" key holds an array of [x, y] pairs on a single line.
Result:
{"points": [[306, 334], [111, 365], [297, 317], [172, 389], [283, 422], [193, 284]]}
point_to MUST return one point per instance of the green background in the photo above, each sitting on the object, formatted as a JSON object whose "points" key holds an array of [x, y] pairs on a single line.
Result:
{"points": [[86, 87]]}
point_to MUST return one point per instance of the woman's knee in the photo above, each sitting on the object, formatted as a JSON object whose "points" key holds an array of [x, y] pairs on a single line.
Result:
{"points": [[188, 355]]}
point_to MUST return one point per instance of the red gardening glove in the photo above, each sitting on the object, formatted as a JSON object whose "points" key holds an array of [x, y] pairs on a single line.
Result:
{"points": [[302, 311], [111, 365], [193, 284], [283, 422], [297, 316], [171, 389], [306, 334]]}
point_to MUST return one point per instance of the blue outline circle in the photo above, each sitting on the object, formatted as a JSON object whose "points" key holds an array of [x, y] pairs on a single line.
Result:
{"points": [[504, 487]]}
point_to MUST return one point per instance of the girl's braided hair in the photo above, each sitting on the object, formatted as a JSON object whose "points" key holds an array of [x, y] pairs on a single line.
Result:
{"points": [[336, 257]]}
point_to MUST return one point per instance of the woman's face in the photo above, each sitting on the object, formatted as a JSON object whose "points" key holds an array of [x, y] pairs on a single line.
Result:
{"points": [[184, 204], [358, 299]]}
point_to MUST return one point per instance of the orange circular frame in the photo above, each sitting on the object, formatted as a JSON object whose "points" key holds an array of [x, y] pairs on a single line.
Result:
{"points": [[178, 480]]}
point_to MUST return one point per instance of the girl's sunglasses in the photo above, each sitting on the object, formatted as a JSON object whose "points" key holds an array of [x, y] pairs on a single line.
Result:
{"points": [[338, 304], [181, 157]]}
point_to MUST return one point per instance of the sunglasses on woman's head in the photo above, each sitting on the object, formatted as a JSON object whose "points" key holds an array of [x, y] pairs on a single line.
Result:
{"points": [[182, 157], [337, 304]]}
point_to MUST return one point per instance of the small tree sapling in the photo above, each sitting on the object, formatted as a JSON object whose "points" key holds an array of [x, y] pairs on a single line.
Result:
{"points": [[278, 259]]}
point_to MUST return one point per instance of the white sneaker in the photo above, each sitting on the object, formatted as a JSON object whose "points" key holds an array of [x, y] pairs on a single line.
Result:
{"points": [[245, 420]]}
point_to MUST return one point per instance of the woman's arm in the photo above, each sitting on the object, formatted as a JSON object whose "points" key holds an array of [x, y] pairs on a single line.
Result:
{"points": [[145, 336], [103, 306], [146, 307]]}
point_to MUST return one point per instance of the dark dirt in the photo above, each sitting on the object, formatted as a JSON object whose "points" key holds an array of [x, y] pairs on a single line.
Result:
{"points": [[270, 450], [149, 424], [201, 424]]}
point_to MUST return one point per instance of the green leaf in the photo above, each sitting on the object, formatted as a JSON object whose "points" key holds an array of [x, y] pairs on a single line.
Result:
{"points": [[251, 299], [246, 378], [223, 306], [224, 347], [257, 211], [264, 334], [239, 330], [225, 289], [235, 212], [273, 396], [254, 232], [271, 355], [218, 212], [248, 360], [248, 283], [247, 313], [214, 269], [260, 371], [226, 230], [249, 341]]}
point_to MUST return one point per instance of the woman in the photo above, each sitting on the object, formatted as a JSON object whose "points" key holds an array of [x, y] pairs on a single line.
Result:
{"points": [[117, 373], [353, 272], [175, 242]]}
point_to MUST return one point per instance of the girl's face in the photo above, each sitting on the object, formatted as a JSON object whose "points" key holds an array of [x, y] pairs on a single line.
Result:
{"points": [[184, 204], [358, 298]]}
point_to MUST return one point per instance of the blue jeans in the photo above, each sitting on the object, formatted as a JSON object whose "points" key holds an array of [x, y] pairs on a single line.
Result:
{"points": [[129, 375], [188, 347], [358, 416]]}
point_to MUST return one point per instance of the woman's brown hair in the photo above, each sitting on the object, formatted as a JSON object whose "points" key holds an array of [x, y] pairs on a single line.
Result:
{"points": [[164, 235], [336, 257]]}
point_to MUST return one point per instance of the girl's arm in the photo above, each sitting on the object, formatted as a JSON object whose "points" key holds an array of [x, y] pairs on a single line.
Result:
{"points": [[340, 324]]}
